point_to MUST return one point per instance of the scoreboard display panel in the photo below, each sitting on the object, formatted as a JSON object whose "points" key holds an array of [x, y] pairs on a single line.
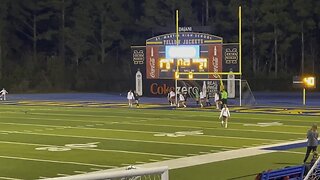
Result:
{"points": [[186, 58]]}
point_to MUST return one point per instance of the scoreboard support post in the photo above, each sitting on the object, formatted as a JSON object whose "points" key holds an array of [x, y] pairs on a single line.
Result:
{"points": [[304, 96], [240, 50], [177, 42], [240, 94]]}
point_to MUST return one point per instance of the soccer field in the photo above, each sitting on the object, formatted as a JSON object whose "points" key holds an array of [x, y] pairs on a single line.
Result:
{"points": [[43, 140]]}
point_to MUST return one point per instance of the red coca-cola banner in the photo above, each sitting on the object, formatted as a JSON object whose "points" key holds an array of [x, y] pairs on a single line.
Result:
{"points": [[215, 59], [152, 64]]}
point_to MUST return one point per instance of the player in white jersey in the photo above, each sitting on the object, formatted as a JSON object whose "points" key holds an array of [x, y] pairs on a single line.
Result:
{"points": [[202, 98], [217, 100], [172, 96], [3, 94], [182, 100], [225, 114], [130, 97]]}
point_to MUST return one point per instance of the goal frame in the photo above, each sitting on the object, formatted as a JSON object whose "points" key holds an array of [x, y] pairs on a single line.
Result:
{"points": [[177, 78], [315, 166], [162, 171]]}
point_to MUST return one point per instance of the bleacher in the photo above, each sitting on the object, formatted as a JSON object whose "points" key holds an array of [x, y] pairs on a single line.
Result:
{"points": [[290, 173]]}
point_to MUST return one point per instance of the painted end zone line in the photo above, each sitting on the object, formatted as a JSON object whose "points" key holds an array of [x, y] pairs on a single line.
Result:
{"points": [[60, 162]]}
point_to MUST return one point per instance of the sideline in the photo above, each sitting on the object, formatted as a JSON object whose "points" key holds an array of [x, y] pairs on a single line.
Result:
{"points": [[216, 157]]}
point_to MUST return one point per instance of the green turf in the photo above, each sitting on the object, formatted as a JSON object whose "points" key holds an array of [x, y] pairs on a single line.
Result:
{"points": [[241, 168], [135, 136]]}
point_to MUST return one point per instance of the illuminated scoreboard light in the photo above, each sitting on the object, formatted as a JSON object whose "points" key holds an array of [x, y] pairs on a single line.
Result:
{"points": [[166, 64], [184, 62], [186, 58], [183, 51], [202, 63]]}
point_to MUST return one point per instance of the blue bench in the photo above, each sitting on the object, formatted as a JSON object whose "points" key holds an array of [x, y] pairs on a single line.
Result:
{"points": [[294, 173]]}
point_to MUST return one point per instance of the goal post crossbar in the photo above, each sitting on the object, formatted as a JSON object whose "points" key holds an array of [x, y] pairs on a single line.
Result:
{"points": [[209, 73]]}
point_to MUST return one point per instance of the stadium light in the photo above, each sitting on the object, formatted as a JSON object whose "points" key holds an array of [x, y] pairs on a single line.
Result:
{"points": [[309, 82]]}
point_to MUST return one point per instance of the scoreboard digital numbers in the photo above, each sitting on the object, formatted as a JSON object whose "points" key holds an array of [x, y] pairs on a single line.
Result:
{"points": [[185, 58]]}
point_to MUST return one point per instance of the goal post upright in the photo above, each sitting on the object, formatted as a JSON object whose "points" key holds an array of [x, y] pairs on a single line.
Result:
{"points": [[177, 43], [240, 51], [178, 74]]}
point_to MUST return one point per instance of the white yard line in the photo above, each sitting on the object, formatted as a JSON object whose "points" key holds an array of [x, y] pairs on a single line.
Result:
{"points": [[161, 125], [166, 118], [53, 161], [133, 113], [9, 178], [126, 164], [80, 172], [118, 139], [148, 132], [147, 113], [92, 149], [154, 160]]}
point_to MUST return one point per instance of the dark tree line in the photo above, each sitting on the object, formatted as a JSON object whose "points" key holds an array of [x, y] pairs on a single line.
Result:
{"points": [[82, 45]]}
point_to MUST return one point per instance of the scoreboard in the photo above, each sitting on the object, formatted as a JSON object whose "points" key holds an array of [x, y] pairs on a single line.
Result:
{"points": [[158, 61], [196, 52]]}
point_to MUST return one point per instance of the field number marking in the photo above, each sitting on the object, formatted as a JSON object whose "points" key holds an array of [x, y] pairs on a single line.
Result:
{"points": [[265, 124], [180, 133], [67, 147]]}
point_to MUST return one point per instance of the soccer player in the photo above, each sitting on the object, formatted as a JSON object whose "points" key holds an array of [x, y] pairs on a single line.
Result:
{"points": [[225, 114], [3, 94], [202, 98], [172, 96], [224, 97], [217, 100], [312, 145], [168, 98], [208, 103], [136, 98], [197, 97], [182, 100], [130, 98]]}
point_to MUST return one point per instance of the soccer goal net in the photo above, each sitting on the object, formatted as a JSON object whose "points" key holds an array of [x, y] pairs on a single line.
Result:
{"points": [[239, 91], [314, 172], [130, 173]]}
